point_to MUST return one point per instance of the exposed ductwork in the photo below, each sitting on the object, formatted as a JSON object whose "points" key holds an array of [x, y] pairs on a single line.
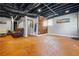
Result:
{"points": [[18, 10], [15, 12], [25, 12]]}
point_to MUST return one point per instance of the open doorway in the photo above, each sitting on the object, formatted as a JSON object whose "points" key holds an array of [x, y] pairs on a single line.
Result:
{"points": [[30, 27]]}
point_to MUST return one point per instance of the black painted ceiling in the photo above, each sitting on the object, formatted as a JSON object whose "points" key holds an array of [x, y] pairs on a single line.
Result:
{"points": [[48, 10]]}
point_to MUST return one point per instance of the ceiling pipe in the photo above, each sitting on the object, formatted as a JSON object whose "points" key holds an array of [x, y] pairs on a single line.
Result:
{"points": [[25, 12], [33, 7], [22, 12], [41, 7], [65, 9], [50, 9], [22, 5], [55, 7], [60, 10], [10, 6], [16, 16], [51, 6], [16, 11]]}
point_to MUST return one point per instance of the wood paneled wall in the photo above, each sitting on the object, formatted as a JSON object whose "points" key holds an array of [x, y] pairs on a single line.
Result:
{"points": [[41, 29]]}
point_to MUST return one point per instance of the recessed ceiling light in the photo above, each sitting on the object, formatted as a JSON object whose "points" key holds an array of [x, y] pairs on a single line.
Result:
{"points": [[39, 10], [67, 11]]}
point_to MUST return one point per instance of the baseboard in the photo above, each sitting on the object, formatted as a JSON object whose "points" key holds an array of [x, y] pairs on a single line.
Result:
{"points": [[64, 35], [41, 34]]}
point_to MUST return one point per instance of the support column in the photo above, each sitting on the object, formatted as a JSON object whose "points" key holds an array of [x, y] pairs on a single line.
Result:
{"points": [[37, 26], [25, 26], [12, 23], [78, 21]]}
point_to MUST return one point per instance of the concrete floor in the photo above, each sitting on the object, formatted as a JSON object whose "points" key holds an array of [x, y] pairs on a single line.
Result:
{"points": [[45, 45]]}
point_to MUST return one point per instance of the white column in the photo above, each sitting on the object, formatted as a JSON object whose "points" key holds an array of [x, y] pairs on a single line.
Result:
{"points": [[25, 26], [78, 21], [12, 23], [37, 26]]}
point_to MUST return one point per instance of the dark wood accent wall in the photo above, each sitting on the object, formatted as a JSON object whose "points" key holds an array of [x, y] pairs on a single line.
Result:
{"points": [[41, 29]]}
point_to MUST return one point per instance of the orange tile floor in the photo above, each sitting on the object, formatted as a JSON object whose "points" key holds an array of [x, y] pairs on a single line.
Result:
{"points": [[45, 45]]}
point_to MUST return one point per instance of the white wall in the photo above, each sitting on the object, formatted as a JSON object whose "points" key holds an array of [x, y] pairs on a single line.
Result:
{"points": [[31, 30], [6, 26], [20, 22], [68, 29], [21, 25]]}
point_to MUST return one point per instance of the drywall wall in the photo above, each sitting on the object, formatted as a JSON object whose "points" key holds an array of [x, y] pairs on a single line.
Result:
{"points": [[6, 26], [67, 29], [20, 22], [31, 29]]}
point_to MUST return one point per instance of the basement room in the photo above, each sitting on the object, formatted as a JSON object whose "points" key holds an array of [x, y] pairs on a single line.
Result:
{"points": [[39, 29]]}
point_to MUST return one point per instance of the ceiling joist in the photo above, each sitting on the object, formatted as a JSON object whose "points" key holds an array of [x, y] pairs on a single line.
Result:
{"points": [[30, 9]]}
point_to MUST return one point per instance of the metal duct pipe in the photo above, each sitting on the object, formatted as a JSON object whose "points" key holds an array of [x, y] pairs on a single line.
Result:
{"points": [[22, 12], [15, 11]]}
